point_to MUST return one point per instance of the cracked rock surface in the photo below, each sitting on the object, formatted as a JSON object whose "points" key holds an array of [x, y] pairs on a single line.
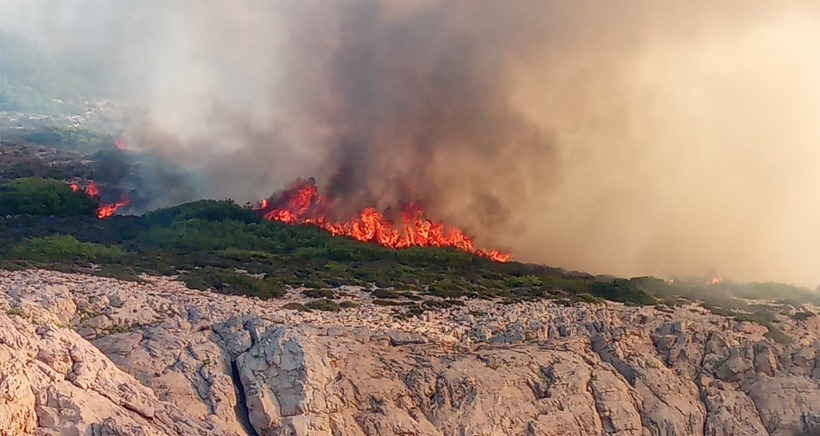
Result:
{"points": [[83, 355]]}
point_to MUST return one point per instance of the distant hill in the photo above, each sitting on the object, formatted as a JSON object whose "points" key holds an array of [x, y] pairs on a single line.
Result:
{"points": [[35, 81]]}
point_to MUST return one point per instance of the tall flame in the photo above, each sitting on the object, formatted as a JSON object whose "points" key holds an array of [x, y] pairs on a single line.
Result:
{"points": [[302, 204]]}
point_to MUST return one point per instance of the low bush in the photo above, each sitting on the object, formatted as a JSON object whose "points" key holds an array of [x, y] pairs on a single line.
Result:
{"points": [[65, 249], [621, 290], [36, 196], [323, 304], [296, 306], [230, 282], [385, 293], [319, 293]]}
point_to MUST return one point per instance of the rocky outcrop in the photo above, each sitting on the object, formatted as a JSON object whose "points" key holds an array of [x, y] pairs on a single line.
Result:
{"points": [[87, 355], [53, 382]]}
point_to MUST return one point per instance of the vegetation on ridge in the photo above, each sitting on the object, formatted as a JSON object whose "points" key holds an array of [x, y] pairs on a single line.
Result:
{"points": [[227, 248]]}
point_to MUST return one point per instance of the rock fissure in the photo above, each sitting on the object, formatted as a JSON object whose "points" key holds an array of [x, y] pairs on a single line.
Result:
{"points": [[241, 409]]}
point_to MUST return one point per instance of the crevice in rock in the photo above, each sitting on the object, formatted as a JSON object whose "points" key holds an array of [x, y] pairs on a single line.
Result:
{"points": [[241, 408], [601, 346], [702, 394], [606, 421], [702, 368], [203, 396]]}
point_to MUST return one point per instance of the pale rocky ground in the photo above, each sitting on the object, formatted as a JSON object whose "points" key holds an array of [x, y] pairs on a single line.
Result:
{"points": [[82, 355]]}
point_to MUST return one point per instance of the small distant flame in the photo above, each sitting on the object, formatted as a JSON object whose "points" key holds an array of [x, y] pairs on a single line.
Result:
{"points": [[670, 281], [302, 204], [716, 280], [92, 190], [105, 210], [262, 206], [120, 144], [108, 210]]}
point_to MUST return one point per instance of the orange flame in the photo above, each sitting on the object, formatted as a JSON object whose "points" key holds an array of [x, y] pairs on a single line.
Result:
{"points": [[262, 206], [108, 210], [105, 210], [91, 190], [302, 204], [716, 280]]}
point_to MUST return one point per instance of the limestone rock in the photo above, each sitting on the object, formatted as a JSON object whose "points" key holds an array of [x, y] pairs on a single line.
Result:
{"points": [[156, 358]]}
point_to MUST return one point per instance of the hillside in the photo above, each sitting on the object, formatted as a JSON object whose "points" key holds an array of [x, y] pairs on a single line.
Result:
{"points": [[205, 318]]}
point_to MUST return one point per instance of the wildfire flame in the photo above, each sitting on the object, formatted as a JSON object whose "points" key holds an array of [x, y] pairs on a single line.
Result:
{"points": [[302, 204], [716, 280], [105, 210], [263, 205], [92, 190], [108, 210]]}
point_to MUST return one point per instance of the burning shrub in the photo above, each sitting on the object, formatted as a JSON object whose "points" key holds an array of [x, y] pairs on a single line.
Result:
{"points": [[213, 239], [302, 203], [36, 196]]}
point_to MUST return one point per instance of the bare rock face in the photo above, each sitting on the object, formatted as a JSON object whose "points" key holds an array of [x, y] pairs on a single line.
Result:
{"points": [[86, 355], [54, 382]]}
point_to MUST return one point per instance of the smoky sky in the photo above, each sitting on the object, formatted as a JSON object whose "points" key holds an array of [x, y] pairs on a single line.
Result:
{"points": [[614, 137]]}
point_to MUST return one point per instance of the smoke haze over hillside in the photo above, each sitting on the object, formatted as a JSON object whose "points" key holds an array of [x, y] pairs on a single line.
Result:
{"points": [[614, 137]]}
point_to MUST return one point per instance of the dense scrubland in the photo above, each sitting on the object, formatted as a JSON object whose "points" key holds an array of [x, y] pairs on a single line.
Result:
{"points": [[225, 247]]}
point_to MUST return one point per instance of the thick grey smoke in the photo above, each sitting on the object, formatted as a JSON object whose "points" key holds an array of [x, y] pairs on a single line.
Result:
{"points": [[616, 137]]}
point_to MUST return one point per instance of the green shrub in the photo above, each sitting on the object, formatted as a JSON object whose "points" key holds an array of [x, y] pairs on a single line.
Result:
{"points": [[230, 282], [381, 302], [621, 290], [204, 210], [296, 306], [778, 335], [323, 304], [319, 293], [447, 288], [587, 298], [35, 196], [385, 293], [523, 281], [68, 249], [442, 304]]}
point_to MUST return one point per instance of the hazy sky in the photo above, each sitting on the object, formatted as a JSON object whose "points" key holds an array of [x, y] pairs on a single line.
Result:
{"points": [[614, 137]]}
